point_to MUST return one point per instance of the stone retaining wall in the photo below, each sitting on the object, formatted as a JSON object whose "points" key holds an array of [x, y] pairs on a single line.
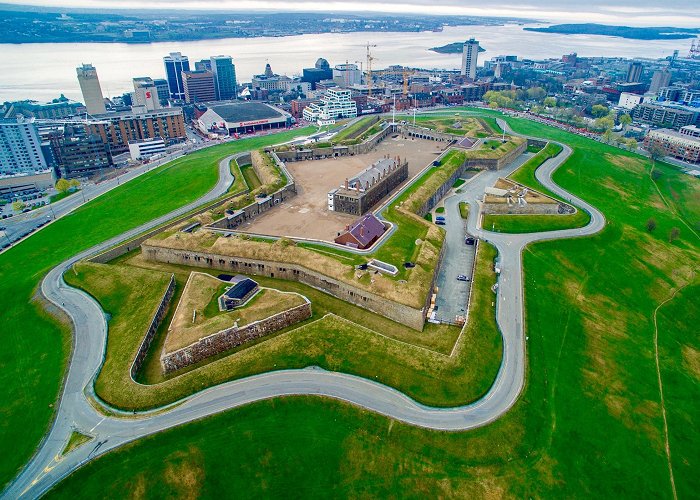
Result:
{"points": [[409, 316], [153, 328], [335, 151], [428, 134], [496, 163], [229, 338], [515, 209]]}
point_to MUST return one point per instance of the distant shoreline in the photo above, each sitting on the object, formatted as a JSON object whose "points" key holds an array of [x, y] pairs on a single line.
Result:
{"points": [[650, 33]]}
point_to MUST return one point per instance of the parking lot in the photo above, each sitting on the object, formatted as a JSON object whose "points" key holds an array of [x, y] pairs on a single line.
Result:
{"points": [[306, 215]]}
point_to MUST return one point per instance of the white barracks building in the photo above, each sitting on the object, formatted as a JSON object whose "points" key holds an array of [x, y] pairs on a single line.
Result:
{"points": [[336, 103]]}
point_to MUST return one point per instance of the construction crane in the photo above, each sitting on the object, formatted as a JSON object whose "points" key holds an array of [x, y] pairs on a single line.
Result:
{"points": [[370, 58], [694, 50], [405, 74]]}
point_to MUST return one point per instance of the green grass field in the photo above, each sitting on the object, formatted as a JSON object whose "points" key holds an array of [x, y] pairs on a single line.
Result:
{"points": [[533, 223], [33, 367], [589, 423]]}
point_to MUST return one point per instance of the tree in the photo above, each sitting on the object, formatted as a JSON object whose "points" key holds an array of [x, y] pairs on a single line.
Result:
{"points": [[632, 144], [536, 93], [607, 135], [673, 234], [62, 185], [651, 225], [625, 120], [550, 102], [656, 152], [599, 110], [18, 206], [74, 183], [604, 123]]}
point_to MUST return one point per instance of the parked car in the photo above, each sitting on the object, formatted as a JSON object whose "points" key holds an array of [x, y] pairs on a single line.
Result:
{"points": [[440, 222], [469, 240], [440, 217], [461, 277]]}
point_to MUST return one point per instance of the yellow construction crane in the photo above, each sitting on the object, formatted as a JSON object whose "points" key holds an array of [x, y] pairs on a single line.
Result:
{"points": [[370, 58]]}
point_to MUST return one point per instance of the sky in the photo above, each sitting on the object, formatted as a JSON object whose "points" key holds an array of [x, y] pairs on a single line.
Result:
{"points": [[680, 13]]}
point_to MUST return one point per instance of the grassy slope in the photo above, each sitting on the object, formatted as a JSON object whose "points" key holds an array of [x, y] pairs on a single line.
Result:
{"points": [[588, 424], [680, 374], [32, 368], [431, 376]]}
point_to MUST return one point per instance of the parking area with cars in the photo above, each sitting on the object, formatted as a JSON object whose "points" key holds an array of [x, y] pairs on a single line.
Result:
{"points": [[455, 274]]}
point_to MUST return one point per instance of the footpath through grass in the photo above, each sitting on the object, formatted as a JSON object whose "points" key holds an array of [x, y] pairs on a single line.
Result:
{"points": [[588, 424], [426, 365], [37, 345]]}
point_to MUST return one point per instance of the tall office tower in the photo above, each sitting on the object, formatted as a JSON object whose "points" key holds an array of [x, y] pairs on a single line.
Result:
{"points": [[470, 54], [203, 65], [199, 86], [90, 87], [20, 147], [224, 77], [146, 93], [162, 89], [634, 72], [175, 64], [661, 78]]}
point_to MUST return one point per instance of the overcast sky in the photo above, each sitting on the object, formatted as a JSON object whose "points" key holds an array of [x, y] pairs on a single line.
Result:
{"points": [[684, 13]]}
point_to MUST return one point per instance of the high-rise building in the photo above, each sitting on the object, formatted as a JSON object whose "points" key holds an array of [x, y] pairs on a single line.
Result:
{"points": [[321, 71], [175, 64], [634, 72], [162, 89], [145, 93], [661, 78], [199, 86], [20, 147], [347, 75], [203, 65], [470, 55], [90, 87], [224, 77]]}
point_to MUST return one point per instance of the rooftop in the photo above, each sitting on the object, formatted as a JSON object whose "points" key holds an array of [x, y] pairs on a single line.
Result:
{"points": [[374, 172], [244, 111]]}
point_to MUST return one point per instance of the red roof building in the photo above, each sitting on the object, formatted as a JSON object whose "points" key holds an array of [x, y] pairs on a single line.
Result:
{"points": [[362, 233]]}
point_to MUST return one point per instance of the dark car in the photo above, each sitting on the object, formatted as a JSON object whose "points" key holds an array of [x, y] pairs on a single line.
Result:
{"points": [[469, 240], [440, 222], [461, 277]]}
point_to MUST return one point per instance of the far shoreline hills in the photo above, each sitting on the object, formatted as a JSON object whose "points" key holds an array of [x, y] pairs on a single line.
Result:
{"points": [[646, 33]]}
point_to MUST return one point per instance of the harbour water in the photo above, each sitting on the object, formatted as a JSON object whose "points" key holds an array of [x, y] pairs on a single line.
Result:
{"points": [[43, 71]]}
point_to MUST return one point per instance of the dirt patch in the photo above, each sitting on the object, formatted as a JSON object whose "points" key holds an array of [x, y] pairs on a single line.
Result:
{"points": [[306, 215], [636, 165], [184, 472]]}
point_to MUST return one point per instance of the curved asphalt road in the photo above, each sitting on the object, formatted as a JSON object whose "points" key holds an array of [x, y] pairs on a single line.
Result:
{"points": [[75, 411]]}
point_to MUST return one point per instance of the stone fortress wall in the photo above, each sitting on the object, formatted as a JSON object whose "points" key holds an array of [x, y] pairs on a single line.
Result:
{"points": [[334, 151], [229, 338], [153, 327], [409, 316]]}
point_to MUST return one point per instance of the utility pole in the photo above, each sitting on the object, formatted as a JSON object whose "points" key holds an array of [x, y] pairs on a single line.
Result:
{"points": [[393, 111]]}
